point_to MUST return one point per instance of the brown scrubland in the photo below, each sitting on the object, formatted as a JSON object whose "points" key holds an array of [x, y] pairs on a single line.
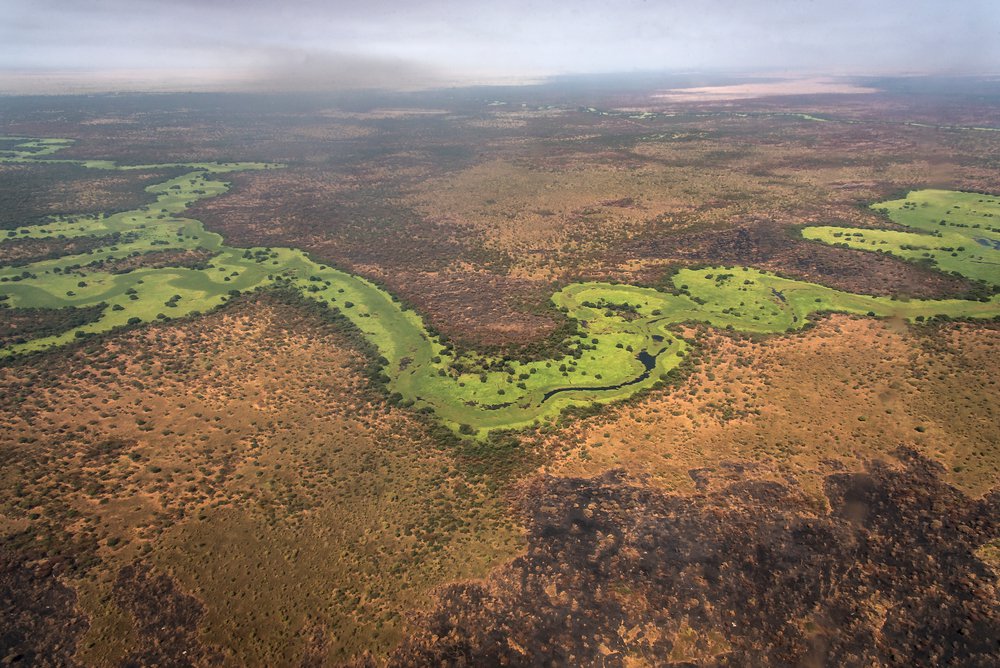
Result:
{"points": [[234, 489]]}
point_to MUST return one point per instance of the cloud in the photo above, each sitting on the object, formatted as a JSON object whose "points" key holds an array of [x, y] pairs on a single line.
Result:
{"points": [[389, 43], [287, 69]]}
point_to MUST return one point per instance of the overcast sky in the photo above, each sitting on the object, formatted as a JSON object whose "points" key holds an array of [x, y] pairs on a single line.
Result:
{"points": [[390, 42]]}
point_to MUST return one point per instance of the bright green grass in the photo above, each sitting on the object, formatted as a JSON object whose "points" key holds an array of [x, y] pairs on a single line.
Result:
{"points": [[956, 232], [619, 324]]}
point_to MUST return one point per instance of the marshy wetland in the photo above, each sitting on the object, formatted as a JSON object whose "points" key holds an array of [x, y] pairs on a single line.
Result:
{"points": [[626, 337]]}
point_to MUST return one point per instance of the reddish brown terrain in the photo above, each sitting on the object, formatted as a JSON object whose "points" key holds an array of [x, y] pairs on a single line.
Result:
{"points": [[237, 488]]}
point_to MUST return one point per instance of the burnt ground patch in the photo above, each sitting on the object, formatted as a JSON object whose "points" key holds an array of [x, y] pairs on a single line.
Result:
{"points": [[29, 194], [21, 324], [191, 259], [750, 573], [41, 623], [19, 252], [334, 217], [166, 620], [474, 308]]}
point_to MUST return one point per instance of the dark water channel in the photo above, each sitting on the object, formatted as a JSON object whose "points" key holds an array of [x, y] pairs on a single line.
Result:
{"points": [[648, 361]]}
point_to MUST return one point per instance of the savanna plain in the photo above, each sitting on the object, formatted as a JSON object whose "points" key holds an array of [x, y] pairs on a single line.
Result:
{"points": [[566, 374]]}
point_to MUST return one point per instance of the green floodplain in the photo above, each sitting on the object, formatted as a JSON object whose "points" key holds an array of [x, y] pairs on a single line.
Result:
{"points": [[955, 232], [627, 335]]}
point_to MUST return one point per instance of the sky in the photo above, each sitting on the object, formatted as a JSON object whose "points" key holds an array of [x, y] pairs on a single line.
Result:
{"points": [[287, 44]]}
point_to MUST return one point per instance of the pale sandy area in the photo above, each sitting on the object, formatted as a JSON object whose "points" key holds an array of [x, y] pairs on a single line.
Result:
{"points": [[811, 86]]}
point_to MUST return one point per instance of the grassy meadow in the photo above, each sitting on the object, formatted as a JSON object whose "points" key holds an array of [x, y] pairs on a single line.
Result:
{"points": [[955, 232]]}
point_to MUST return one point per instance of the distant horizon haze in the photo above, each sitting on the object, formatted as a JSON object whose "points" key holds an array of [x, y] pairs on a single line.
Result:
{"points": [[52, 45]]}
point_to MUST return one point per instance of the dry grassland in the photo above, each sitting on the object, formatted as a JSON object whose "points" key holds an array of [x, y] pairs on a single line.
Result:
{"points": [[242, 455], [807, 405]]}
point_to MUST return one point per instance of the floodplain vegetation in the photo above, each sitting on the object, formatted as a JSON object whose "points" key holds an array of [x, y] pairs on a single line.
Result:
{"points": [[488, 383], [624, 341]]}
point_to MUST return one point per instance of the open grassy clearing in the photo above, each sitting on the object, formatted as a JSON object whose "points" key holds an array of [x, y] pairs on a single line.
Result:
{"points": [[957, 232], [626, 338]]}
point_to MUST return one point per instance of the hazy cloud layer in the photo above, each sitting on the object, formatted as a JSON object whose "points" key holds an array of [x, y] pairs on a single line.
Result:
{"points": [[387, 43]]}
